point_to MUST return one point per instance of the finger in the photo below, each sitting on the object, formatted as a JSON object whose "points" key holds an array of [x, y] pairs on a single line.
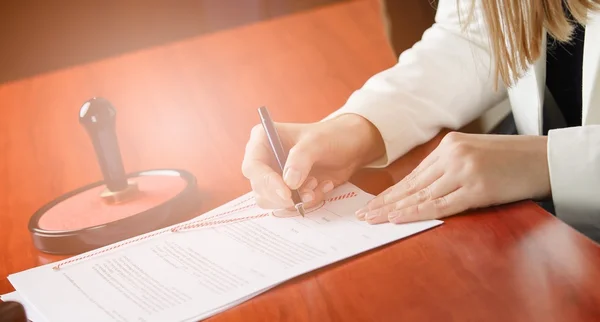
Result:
{"points": [[306, 192], [312, 198], [326, 187], [377, 216], [270, 188], [384, 203], [414, 184], [266, 203], [317, 197], [310, 183], [402, 185], [425, 164], [439, 188], [256, 166], [373, 215], [257, 154], [300, 162], [448, 205]]}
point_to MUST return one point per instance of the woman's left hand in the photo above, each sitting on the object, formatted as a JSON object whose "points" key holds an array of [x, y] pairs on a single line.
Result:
{"points": [[465, 171]]}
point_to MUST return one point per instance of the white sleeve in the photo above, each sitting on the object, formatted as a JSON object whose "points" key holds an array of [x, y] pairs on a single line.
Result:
{"points": [[574, 163], [444, 81]]}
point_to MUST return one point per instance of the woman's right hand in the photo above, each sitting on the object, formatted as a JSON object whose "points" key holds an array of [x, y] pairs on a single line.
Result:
{"points": [[322, 155]]}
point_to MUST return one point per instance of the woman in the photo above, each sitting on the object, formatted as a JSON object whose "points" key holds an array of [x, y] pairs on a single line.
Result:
{"points": [[473, 56]]}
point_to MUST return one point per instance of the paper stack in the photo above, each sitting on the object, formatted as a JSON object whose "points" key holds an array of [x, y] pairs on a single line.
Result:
{"points": [[195, 270]]}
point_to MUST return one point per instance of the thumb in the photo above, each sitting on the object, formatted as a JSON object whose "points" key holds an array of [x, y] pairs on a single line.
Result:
{"points": [[299, 163]]}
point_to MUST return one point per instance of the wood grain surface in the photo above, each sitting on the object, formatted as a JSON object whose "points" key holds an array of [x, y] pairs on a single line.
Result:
{"points": [[190, 104]]}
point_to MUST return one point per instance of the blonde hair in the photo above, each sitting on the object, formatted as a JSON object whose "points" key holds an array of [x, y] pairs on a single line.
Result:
{"points": [[516, 28]]}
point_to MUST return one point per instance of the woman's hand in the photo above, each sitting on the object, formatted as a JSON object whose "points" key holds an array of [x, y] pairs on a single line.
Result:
{"points": [[321, 156], [466, 171]]}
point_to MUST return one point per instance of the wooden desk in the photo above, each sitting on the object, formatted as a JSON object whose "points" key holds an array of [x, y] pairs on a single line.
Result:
{"points": [[191, 105]]}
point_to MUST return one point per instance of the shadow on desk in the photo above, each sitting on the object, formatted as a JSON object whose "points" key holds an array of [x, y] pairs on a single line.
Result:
{"points": [[41, 36]]}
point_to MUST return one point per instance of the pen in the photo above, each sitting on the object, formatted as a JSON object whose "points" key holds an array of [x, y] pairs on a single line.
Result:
{"points": [[278, 151]]}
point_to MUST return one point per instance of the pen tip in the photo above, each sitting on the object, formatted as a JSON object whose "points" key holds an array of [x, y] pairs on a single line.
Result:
{"points": [[300, 209]]}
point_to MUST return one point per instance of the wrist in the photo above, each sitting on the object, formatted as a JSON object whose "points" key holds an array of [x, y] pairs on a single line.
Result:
{"points": [[369, 142]]}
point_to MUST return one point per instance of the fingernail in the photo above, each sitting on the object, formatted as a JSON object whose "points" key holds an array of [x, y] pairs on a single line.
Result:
{"points": [[306, 197], [311, 184], [281, 194], [292, 178], [361, 211], [396, 217], [372, 215], [327, 187]]}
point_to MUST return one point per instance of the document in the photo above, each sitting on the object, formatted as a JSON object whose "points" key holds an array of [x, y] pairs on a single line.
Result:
{"points": [[194, 270]]}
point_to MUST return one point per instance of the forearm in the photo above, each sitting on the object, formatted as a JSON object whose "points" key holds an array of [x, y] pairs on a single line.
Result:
{"points": [[364, 134], [443, 81]]}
